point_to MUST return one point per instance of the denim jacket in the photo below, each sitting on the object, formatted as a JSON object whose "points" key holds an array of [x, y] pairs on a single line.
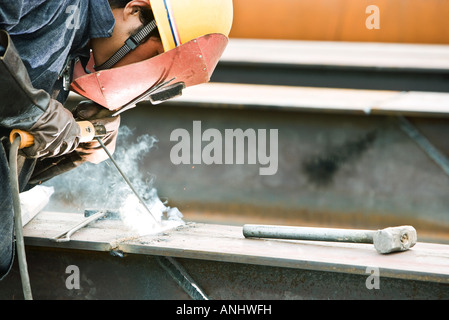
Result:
{"points": [[50, 34]]}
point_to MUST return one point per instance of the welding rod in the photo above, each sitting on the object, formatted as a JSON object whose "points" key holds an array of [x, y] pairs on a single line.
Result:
{"points": [[127, 180]]}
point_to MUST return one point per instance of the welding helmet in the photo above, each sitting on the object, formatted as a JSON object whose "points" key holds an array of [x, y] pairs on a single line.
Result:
{"points": [[194, 34]]}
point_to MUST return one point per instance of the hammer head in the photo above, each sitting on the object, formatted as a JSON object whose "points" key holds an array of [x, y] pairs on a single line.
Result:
{"points": [[394, 239]]}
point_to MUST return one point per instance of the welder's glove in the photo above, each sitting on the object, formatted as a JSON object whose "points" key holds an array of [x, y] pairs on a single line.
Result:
{"points": [[55, 133], [46, 169], [98, 115], [24, 107]]}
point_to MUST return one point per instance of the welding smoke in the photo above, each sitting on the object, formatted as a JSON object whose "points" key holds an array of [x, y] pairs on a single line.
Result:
{"points": [[101, 187]]}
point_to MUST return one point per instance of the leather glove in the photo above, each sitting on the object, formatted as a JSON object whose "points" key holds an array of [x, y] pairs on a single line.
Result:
{"points": [[97, 115], [55, 133], [24, 107], [85, 152]]}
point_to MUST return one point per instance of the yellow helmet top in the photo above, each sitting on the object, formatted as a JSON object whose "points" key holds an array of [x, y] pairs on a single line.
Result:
{"points": [[180, 21]]}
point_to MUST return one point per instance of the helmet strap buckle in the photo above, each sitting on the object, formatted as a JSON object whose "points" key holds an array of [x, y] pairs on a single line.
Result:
{"points": [[130, 44]]}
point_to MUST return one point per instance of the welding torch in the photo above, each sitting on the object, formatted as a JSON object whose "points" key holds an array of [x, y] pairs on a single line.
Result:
{"points": [[89, 131]]}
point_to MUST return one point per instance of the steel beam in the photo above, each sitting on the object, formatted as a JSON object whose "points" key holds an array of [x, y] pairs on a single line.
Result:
{"points": [[223, 263], [140, 277]]}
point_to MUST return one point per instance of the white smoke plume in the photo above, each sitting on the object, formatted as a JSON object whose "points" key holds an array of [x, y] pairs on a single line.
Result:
{"points": [[102, 187]]}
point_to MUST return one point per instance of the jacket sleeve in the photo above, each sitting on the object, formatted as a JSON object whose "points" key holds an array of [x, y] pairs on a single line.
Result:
{"points": [[12, 11], [24, 107]]}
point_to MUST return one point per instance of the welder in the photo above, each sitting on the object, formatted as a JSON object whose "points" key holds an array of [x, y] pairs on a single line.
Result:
{"points": [[40, 43]]}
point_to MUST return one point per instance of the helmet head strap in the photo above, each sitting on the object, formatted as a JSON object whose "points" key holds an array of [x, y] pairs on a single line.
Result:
{"points": [[130, 44]]}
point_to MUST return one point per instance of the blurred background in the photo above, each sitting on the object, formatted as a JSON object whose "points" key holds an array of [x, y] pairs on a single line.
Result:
{"points": [[401, 21]]}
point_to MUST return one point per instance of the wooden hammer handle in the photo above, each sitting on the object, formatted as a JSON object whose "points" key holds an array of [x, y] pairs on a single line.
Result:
{"points": [[27, 139]]}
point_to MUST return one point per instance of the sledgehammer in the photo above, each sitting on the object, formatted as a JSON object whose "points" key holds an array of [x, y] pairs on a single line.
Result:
{"points": [[387, 240]]}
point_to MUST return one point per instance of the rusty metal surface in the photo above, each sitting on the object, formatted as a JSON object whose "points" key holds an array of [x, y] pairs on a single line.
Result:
{"points": [[344, 20], [137, 277], [334, 170], [102, 276], [236, 281], [424, 262]]}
